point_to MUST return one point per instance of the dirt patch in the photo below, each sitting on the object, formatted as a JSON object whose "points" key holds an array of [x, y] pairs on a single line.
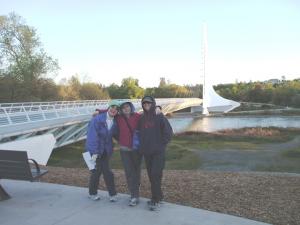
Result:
{"points": [[267, 197]]}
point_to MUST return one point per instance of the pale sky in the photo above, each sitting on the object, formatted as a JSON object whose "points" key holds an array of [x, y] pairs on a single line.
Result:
{"points": [[109, 40]]}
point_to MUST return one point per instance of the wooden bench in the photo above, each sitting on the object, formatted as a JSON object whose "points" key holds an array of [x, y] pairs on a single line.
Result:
{"points": [[15, 165]]}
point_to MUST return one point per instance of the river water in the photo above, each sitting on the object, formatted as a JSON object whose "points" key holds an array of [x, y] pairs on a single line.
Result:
{"points": [[211, 124]]}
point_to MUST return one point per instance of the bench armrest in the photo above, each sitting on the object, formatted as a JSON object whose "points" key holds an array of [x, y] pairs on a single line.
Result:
{"points": [[36, 165]]}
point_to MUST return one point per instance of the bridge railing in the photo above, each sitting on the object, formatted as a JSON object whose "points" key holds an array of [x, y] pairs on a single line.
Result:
{"points": [[18, 113], [56, 103], [25, 112]]}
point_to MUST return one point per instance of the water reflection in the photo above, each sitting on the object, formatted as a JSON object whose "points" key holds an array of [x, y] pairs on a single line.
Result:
{"points": [[210, 124]]}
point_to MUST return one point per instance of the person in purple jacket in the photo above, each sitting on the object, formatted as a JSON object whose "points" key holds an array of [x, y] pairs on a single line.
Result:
{"points": [[101, 130]]}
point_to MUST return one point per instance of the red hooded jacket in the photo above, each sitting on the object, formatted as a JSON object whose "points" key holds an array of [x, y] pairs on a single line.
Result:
{"points": [[125, 135]]}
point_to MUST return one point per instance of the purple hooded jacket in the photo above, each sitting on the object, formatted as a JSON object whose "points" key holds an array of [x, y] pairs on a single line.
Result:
{"points": [[99, 138]]}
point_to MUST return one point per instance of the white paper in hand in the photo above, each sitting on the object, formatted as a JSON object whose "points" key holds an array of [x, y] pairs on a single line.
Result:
{"points": [[88, 160]]}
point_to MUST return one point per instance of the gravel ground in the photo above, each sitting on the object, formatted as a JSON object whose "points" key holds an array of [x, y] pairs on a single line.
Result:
{"points": [[268, 197]]}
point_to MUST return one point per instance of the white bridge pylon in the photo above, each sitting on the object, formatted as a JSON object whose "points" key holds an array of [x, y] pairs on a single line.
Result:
{"points": [[212, 101], [67, 121]]}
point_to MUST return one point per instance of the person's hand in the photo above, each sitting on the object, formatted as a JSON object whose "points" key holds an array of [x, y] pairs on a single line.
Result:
{"points": [[94, 157], [158, 111], [95, 113]]}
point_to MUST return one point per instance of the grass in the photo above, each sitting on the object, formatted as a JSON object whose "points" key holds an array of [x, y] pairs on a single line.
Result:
{"points": [[292, 153], [181, 155], [69, 156], [177, 157]]}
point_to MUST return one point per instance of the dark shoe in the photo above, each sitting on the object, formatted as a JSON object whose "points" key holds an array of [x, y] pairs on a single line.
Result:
{"points": [[113, 198], [153, 206], [160, 202]]}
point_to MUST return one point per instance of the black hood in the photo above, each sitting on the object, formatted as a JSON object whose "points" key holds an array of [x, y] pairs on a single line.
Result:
{"points": [[153, 105]]}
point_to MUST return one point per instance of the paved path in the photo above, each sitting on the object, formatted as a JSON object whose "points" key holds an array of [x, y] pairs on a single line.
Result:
{"points": [[294, 143], [52, 204], [236, 160]]}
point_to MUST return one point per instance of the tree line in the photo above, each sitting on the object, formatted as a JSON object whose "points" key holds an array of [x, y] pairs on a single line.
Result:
{"points": [[282, 92], [27, 74]]}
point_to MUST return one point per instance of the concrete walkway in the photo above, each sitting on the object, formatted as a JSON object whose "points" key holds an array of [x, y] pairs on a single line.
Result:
{"points": [[52, 204]]}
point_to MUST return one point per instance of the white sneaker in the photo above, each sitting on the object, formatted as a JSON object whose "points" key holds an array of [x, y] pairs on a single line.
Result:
{"points": [[133, 201], [113, 198], [94, 197]]}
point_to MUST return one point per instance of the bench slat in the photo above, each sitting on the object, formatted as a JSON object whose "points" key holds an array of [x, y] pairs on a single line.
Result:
{"points": [[10, 169], [16, 176], [13, 155], [12, 163]]}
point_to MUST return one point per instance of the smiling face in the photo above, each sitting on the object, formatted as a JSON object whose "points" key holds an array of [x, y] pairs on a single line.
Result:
{"points": [[113, 110], [126, 109]]}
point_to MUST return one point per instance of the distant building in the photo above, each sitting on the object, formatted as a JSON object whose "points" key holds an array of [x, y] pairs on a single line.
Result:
{"points": [[273, 81]]}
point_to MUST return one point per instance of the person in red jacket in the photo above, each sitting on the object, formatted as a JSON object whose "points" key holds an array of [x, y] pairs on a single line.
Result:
{"points": [[127, 121]]}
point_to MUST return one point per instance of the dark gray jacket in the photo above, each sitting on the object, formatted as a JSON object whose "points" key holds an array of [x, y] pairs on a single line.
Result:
{"points": [[155, 131]]}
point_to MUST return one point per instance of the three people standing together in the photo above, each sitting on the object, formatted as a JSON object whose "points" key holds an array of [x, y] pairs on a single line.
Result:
{"points": [[154, 133]]}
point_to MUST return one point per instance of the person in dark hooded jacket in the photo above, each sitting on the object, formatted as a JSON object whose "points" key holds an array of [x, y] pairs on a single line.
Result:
{"points": [[155, 132]]}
